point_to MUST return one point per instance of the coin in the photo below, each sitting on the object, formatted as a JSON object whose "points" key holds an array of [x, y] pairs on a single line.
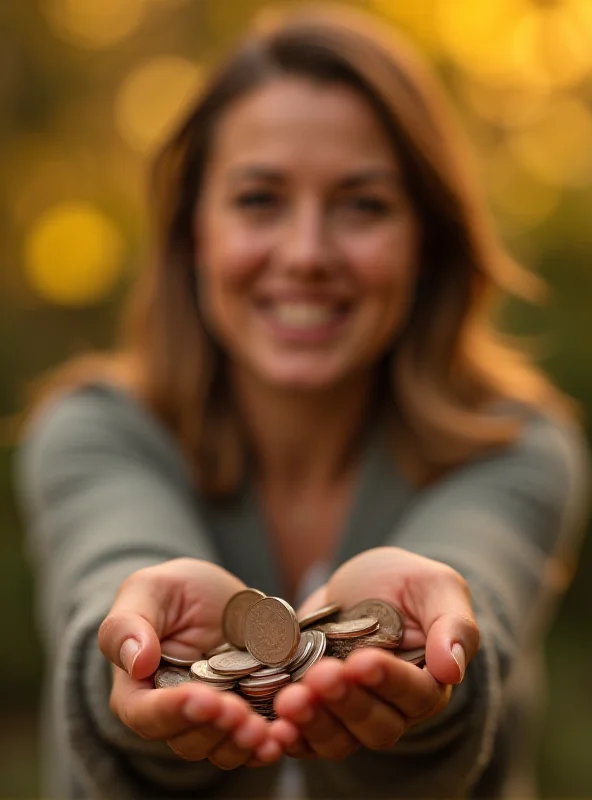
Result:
{"points": [[389, 618], [416, 656], [347, 628], [225, 647], [322, 614], [236, 662], [180, 662], [202, 671], [170, 676], [234, 615], [272, 632], [318, 650], [303, 651]]}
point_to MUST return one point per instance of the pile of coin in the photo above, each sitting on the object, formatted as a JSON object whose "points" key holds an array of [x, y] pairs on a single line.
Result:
{"points": [[268, 646]]}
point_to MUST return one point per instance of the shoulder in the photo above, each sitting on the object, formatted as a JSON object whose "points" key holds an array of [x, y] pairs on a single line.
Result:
{"points": [[548, 466], [94, 427], [550, 444]]}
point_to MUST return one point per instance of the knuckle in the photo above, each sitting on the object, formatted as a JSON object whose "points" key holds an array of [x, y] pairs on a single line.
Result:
{"points": [[227, 761], [184, 754], [343, 750], [385, 739]]}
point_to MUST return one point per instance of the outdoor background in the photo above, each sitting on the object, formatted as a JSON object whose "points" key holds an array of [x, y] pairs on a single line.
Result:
{"points": [[89, 87]]}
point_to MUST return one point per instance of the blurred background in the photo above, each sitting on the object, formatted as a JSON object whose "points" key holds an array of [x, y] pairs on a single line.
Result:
{"points": [[90, 87]]}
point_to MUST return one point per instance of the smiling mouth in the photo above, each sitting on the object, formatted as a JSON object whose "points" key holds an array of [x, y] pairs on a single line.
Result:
{"points": [[305, 315]]}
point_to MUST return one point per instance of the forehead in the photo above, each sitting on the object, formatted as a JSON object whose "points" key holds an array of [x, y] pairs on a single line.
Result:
{"points": [[295, 122]]}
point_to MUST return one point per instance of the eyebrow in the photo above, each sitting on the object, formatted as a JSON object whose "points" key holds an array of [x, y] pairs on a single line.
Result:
{"points": [[384, 175]]}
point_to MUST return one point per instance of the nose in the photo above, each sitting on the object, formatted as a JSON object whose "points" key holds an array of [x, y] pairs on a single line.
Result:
{"points": [[305, 246]]}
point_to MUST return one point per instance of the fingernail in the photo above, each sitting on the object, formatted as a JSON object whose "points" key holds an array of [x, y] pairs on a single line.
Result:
{"points": [[458, 654], [130, 650]]}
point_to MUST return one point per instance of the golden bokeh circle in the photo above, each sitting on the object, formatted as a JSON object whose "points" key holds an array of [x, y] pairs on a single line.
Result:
{"points": [[93, 24], [73, 255], [152, 99]]}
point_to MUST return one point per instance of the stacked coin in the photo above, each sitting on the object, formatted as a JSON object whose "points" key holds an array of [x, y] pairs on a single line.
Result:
{"points": [[268, 646]]}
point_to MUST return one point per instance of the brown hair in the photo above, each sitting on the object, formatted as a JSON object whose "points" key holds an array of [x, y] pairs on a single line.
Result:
{"points": [[446, 367]]}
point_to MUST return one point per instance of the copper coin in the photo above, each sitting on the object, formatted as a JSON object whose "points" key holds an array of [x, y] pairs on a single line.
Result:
{"points": [[389, 618], [272, 632], [349, 628], [237, 663], [235, 613], [320, 614], [170, 676]]}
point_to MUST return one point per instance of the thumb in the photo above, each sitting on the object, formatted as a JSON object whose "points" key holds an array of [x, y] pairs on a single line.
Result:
{"points": [[130, 639], [452, 632]]}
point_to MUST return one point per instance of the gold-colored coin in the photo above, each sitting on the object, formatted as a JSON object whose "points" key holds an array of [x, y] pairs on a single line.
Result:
{"points": [[235, 613], [272, 632]]}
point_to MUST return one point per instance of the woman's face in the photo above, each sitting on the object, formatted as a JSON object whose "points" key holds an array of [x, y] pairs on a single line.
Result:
{"points": [[308, 246]]}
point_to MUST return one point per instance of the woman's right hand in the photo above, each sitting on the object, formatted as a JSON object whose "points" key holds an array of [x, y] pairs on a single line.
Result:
{"points": [[178, 605]]}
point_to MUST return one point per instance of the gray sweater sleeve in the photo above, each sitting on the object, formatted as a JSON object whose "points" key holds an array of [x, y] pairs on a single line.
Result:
{"points": [[103, 492], [511, 524]]}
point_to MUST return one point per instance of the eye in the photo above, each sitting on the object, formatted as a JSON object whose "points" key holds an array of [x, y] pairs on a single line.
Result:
{"points": [[369, 205], [255, 200]]}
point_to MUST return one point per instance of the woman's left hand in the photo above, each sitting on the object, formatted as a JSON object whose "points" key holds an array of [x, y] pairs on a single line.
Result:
{"points": [[372, 698]]}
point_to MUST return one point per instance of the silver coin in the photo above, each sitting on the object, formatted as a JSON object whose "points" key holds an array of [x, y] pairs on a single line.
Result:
{"points": [[237, 663], [180, 662], [165, 677], [320, 644]]}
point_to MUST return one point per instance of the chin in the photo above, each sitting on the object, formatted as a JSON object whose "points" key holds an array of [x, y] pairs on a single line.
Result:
{"points": [[300, 380]]}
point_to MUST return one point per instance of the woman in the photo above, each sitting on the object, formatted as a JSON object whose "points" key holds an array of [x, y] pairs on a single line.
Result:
{"points": [[309, 398]]}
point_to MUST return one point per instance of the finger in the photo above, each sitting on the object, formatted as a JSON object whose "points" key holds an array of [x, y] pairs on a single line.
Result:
{"points": [[445, 613], [414, 692], [130, 634], [166, 713], [369, 719], [290, 739], [323, 733], [238, 747], [146, 610]]}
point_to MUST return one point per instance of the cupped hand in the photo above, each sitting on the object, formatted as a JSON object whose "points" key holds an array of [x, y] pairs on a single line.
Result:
{"points": [[177, 607], [372, 698]]}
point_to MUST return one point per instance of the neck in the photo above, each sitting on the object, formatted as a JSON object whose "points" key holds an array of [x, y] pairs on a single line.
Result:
{"points": [[303, 438]]}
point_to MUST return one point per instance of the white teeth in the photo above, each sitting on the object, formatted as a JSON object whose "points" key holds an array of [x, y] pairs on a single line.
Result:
{"points": [[303, 315]]}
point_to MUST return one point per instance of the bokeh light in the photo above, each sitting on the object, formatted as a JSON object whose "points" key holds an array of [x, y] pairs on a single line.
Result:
{"points": [[553, 46], [522, 200], [558, 148], [478, 35], [73, 255], [93, 23], [152, 98]]}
